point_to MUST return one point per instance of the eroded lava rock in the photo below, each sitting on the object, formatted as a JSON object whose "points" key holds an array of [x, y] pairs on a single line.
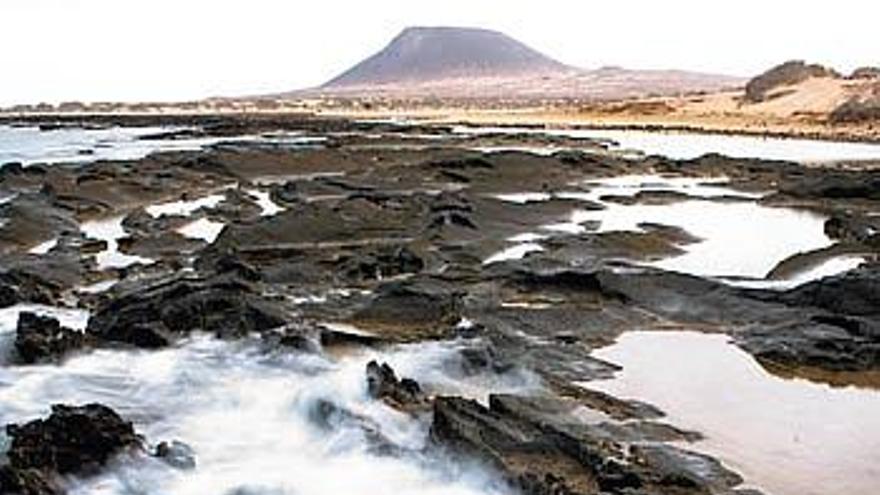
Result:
{"points": [[537, 453], [73, 440], [156, 315], [41, 338], [404, 394]]}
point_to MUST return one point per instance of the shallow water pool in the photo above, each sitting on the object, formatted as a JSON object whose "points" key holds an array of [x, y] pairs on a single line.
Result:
{"points": [[787, 436]]}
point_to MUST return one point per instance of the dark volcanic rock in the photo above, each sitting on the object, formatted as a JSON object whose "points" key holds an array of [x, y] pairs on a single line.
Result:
{"points": [[619, 409], [479, 359], [675, 469], [404, 394], [461, 164], [8, 296], [298, 336], [26, 482], [155, 315], [237, 206], [230, 262], [566, 281], [536, 461], [18, 286], [525, 441], [39, 338], [32, 218], [347, 221], [176, 454], [855, 293], [835, 324], [376, 264], [72, 440], [852, 228], [329, 337], [835, 186], [693, 300], [11, 168], [822, 342], [413, 308]]}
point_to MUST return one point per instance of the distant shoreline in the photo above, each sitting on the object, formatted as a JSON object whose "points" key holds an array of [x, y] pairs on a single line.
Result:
{"points": [[562, 118], [533, 118]]}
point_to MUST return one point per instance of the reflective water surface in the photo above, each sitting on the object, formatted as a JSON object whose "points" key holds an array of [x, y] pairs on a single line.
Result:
{"points": [[736, 235], [202, 229], [184, 207], [111, 230], [787, 436], [28, 145]]}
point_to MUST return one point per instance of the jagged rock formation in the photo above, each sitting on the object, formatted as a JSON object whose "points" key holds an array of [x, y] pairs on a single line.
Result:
{"points": [[73, 440], [41, 338], [155, 316]]}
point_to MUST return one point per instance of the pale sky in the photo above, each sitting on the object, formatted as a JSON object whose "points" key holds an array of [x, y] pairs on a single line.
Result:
{"points": [[165, 50]]}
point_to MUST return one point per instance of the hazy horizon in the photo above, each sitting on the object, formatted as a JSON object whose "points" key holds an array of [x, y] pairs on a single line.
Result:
{"points": [[100, 50]]}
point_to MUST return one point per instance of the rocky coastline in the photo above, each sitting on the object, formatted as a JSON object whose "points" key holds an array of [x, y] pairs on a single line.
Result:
{"points": [[384, 234]]}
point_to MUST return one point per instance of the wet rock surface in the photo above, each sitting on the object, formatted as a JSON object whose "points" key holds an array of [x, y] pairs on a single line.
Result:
{"points": [[32, 218], [40, 338], [159, 314], [840, 330], [176, 454], [73, 440], [856, 293], [20, 286], [414, 308], [26, 482], [540, 453], [404, 393]]}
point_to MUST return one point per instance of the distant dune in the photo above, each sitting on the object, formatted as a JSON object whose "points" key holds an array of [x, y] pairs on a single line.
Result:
{"points": [[796, 89], [449, 62]]}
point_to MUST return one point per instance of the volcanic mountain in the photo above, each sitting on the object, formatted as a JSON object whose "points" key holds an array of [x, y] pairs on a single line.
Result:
{"points": [[420, 55], [451, 62]]}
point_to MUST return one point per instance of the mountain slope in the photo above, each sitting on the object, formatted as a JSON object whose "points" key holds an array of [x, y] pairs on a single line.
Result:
{"points": [[422, 54]]}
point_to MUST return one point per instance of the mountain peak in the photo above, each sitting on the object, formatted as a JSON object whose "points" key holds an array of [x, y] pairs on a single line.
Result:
{"points": [[444, 30], [422, 53]]}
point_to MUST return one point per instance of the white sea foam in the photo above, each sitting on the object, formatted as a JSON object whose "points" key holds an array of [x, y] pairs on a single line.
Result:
{"points": [[257, 422]]}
